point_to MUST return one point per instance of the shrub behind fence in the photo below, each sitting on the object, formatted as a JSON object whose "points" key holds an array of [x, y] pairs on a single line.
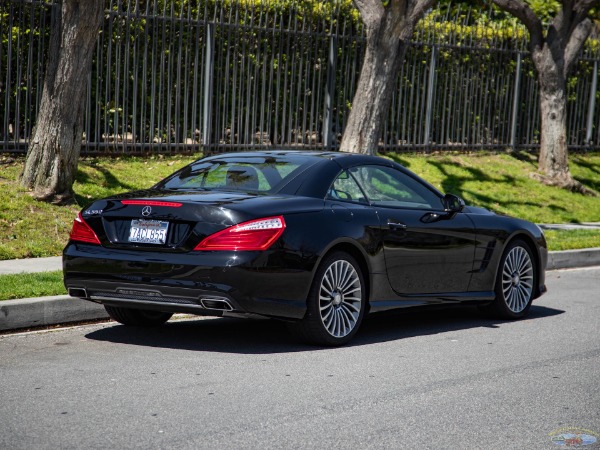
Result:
{"points": [[196, 76]]}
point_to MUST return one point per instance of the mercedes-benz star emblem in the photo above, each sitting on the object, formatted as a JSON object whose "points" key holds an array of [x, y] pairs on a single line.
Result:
{"points": [[146, 211]]}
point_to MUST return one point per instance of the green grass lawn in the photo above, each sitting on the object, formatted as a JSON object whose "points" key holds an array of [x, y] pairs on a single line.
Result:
{"points": [[28, 285], [500, 182], [572, 239], [503, 183]]}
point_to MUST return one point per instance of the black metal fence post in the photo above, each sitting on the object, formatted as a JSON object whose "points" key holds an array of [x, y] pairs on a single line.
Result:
{"points": [[430, 92], [329, 93], [209, 63], [592, 105], [515, 105]]}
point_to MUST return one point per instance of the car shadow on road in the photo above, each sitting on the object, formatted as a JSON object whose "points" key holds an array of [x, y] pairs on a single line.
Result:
{"points": [[226, 335], [422, 322]]}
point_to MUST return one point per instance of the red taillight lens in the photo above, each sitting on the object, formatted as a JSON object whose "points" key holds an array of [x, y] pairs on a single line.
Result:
{"points": [[253, 235], [82, 232]]}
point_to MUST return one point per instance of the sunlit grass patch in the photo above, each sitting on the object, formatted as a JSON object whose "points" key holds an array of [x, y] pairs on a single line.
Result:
{"points": [[503, 183], [572, 239], [28, 285]]}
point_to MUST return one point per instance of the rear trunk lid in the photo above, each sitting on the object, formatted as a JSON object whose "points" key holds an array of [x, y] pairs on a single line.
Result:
{"points": [[176, 221]]}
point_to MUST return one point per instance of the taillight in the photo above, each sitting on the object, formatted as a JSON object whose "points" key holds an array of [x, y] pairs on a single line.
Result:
{"points": [[82, 232], [253, 235]]}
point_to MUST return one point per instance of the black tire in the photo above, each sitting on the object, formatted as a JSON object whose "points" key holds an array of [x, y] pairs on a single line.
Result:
{"points": [[137, 317], [336, 303], [515, 282]]}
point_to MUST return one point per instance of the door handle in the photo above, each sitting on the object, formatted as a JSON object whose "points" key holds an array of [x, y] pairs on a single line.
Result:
{"points": [[396, 225]]}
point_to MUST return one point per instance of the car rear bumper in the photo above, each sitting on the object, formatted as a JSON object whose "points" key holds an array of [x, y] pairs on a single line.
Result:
{"points": [[273, 284]]}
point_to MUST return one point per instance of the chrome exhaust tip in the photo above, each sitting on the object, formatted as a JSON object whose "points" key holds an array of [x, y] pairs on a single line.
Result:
{"points": [[217, 304], [78, 292]]}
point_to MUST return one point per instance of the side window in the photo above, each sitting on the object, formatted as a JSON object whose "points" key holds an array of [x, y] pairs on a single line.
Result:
{"points": [[386, 186], [346, 188]]}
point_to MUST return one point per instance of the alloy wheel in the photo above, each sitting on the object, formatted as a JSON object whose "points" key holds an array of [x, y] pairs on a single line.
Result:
{"points": [[340, 298], [517, 279]]}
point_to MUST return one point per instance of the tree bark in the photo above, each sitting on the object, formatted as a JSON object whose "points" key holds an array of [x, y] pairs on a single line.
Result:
{"points": [[553, 160], [387, 31], [553, 163], [53, 154], [554, 56]]}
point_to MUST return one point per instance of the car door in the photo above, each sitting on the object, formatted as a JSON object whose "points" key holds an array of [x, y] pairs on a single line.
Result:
{"points": [[427, 250]]}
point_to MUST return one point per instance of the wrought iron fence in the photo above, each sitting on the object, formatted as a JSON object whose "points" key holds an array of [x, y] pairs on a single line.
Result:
{"points": [[210, 75]]}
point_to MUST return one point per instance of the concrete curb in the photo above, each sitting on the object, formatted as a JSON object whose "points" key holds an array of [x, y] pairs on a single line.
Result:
{"points": [[569, 259], [44, 311], [62, 309]]}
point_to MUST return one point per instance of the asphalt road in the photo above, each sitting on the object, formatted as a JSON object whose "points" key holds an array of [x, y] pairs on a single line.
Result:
{"points": [[443, 379]]}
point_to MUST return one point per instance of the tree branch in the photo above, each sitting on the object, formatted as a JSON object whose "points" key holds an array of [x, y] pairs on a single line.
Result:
{"points": [[371, 12], [418, 8], [582, 9], [563, 21], [524, 13], [567, 6], [571, 15], [575, 43]]}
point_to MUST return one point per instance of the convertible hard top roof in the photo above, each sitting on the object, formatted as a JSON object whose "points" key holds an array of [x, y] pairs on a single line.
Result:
{"points": [[342, 158]]}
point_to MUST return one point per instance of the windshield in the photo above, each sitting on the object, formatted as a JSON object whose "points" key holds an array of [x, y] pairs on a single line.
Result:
{"points": [[248, 173]]}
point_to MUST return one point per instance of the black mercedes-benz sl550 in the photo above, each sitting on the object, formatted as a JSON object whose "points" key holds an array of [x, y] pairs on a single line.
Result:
{"points": [[318, 239]]}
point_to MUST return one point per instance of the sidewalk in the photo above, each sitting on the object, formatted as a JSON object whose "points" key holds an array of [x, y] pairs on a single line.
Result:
{"points": [[570, 226], [32, 265]]}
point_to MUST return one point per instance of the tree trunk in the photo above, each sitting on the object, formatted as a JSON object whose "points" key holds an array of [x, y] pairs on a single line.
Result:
{"points": [[553, 161], [389, 25], [554, 52], [387, 33], [371, 102], [53, 154]]}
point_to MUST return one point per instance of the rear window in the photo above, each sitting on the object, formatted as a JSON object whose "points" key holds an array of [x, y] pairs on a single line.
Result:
{"points": [[249, 173]]}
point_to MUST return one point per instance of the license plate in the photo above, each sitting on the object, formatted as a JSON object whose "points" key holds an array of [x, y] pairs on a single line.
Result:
{"points": [[148, 231]]}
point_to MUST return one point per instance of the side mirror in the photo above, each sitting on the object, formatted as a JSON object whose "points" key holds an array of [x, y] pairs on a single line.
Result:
{"points": [[453, 203]]}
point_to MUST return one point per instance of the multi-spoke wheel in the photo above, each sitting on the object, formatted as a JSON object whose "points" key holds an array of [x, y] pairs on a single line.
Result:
{"points": [[340, 298], [336, 302], [517, 279], [515, 282]]}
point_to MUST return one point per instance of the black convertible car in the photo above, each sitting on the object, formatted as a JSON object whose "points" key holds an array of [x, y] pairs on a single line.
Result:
{"points": [[315, 239]]}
